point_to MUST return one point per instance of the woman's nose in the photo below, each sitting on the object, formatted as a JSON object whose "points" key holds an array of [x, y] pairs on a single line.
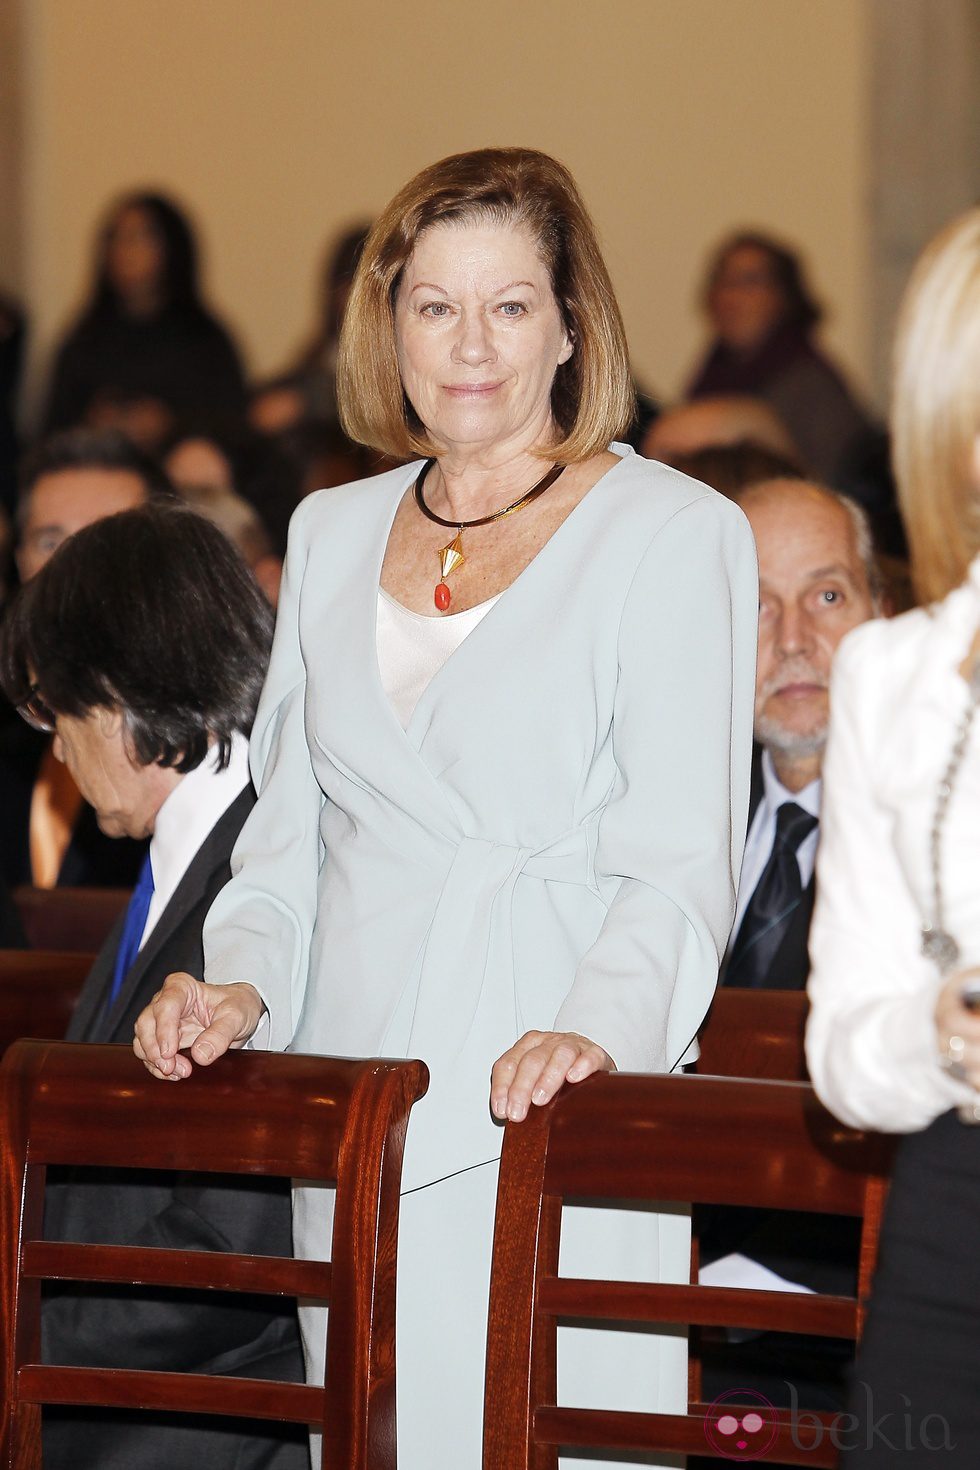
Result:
{"points": [[474, 344]]}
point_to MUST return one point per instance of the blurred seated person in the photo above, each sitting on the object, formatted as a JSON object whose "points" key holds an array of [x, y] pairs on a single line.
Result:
{"points": [[307, 388], [50, 834], [142, 646], [145, 351], [242, 525], [731, 468], [13, 335], [258, 469], [323, 456], [762, 316], [722, 420]]}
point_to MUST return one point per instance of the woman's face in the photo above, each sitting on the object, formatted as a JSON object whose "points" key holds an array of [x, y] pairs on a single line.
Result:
{"points": [[135, 254], [745, 301], [479, 338]]}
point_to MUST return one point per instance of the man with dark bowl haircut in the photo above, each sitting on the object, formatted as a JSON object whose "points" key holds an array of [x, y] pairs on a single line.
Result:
{"points": [[141, 647]]}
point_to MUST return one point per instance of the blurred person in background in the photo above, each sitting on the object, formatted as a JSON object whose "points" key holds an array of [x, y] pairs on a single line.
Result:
{"points": [[721, 419], [261, 470], [731, 468], [893, 1041], [13, 334], [241, 524], [762, 315], [145, 351], [49, 835], [307, 388]]}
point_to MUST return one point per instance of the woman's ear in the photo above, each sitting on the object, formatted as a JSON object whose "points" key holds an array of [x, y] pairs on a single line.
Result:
{"points": [[567, 347]]}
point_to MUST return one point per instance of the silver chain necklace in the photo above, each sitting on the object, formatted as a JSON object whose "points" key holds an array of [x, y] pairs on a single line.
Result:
{"points": [[937, 942]]}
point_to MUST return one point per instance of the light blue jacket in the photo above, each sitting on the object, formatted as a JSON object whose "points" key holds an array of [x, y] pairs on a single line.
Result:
{"points": [[555, 840]]}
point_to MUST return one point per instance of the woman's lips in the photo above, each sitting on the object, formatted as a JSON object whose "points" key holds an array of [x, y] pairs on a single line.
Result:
{"points": [[471, 390]]}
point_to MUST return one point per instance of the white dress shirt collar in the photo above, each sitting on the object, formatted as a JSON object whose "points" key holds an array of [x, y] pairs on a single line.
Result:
{"points": [[186, 818]]}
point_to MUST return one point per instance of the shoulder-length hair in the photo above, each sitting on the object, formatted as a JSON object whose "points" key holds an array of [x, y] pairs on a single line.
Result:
{"points": [[936, 408], [151, 612], [592, 396], [801, 307], [180, 287]]}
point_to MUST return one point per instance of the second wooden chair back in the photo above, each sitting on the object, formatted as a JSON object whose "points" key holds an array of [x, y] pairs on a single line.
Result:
{"points": [[77, 919], [687, 1139], [306, 1117], [755, 1033], [38, 992]]}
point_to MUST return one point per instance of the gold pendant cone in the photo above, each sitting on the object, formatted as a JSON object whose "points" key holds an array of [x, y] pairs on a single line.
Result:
{"points": [[451, 557]]}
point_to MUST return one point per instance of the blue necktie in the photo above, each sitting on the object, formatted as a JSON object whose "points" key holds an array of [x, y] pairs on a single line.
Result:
{"points": [[771, 907], [133, 926]]}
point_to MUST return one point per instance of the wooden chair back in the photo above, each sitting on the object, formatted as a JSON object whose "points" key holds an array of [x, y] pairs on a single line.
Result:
{"points": [[38, 992], [686, 1139], [755, 1033], [69, 918], [306, 1117]]}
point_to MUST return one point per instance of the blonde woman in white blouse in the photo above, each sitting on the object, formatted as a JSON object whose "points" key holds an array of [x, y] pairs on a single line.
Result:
{"points": [[895, 941]]}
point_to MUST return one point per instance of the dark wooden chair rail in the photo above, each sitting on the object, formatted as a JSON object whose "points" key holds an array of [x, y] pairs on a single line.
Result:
{"points": [[77, 919], [687, 1139], [755, 1033], [38, 991], [316, 1118]]}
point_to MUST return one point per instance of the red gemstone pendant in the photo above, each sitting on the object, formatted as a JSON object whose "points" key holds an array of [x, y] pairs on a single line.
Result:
{"points": [[442, 597]]}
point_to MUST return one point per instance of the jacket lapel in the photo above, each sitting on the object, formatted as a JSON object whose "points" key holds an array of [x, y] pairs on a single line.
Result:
{"points": [[213, 853], [94, 995]]}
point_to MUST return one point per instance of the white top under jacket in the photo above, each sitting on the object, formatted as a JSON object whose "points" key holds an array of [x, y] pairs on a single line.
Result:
{"points": [[896, 701], [193, 808], [412, 648], [553, 842]]}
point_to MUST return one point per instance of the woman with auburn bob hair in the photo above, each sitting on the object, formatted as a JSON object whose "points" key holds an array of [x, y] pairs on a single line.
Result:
{"points": [[502, 757], [894, 1035]]}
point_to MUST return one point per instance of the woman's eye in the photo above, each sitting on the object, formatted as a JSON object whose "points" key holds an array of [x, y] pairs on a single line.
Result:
{"points": [[830, 596], [435, 308], [512, 308]]}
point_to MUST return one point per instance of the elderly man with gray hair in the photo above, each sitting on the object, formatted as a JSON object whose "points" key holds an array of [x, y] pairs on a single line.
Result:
{"points": [[817, 580]]}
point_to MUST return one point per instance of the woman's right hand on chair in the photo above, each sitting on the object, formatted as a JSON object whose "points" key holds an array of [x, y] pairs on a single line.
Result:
{"points": [[189, 1015]]}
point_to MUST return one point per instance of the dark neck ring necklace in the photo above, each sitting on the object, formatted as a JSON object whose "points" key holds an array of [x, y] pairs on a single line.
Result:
{"points": [[451, 557]]}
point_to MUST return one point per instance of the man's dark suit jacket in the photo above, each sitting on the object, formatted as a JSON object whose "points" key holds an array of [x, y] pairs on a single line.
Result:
{"points": [[203, 1332], [817, 1251], [791, 965]]}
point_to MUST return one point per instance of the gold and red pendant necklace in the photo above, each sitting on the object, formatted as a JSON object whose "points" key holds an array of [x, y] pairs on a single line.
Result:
{"points": [[451, 557]]}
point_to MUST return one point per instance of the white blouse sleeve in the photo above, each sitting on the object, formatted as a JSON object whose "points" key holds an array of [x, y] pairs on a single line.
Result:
{"points": [[871, 1040]]}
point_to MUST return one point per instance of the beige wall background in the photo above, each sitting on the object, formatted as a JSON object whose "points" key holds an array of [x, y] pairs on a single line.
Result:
{"points": [[279, 121]]}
